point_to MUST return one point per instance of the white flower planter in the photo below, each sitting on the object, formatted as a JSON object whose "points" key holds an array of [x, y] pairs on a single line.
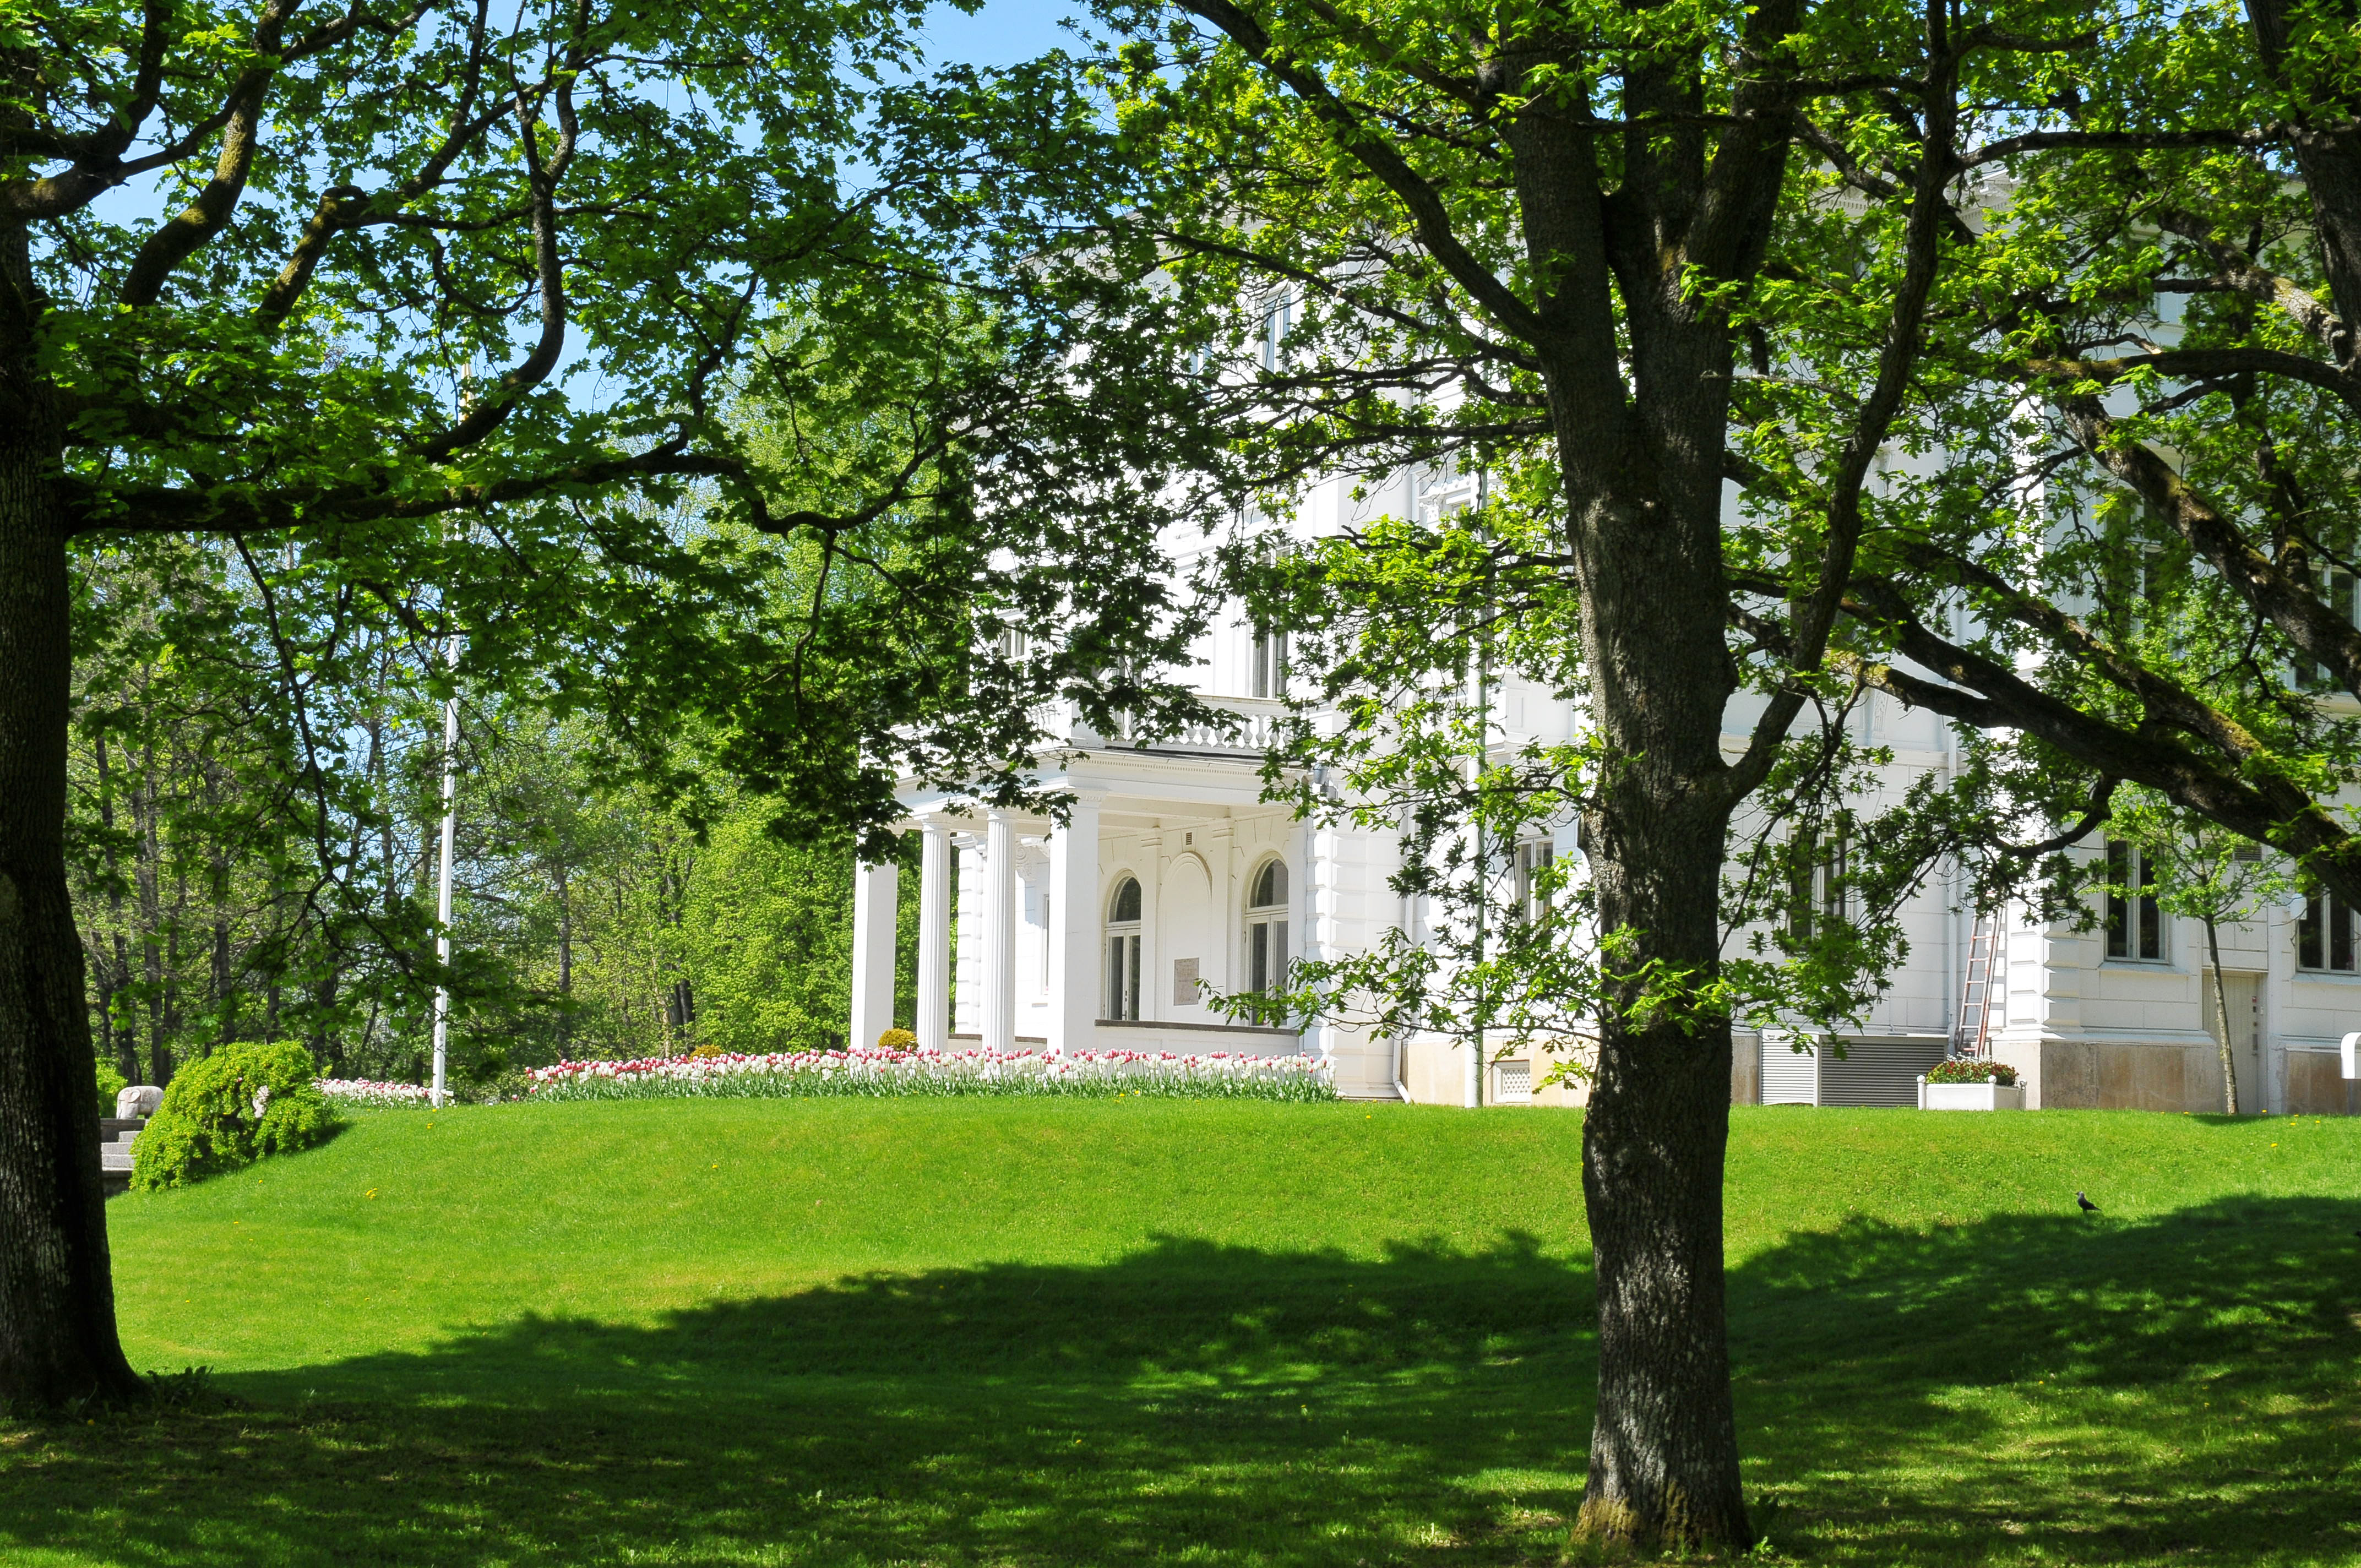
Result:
{"points": [[1971, 1096]]}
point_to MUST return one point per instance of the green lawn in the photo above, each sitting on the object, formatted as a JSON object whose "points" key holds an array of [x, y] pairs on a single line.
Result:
{"points": [[968, 1332]]}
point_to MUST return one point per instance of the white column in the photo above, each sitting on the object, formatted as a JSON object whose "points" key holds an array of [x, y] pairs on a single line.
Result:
{"points": [[875, 891], [1074, 929], [966, 935], [998, 1023], [934, 934], [1225, 944], [1151, 928]]}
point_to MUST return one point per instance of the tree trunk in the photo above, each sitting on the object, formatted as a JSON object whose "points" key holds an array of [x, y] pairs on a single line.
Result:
{"points": [[1641, 465], [1663, 1471], [57, 1341], [565, 963], [151, 873], [2222, 1020], [228, 1011], [1663, 1448]]}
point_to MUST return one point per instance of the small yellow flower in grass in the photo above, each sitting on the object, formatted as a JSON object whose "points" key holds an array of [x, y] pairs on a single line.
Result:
{"points": [[370, 1193]]}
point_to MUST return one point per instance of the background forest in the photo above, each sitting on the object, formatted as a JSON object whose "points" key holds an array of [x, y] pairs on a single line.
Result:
{"points": [[256, 811]]}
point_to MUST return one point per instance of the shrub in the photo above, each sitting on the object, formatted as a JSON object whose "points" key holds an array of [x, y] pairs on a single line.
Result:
{"points": [[110, 1084], [230, 1108], [898, 1040], [1959, 1070]]}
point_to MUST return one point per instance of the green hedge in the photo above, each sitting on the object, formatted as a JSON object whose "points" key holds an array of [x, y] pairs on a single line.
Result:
{"points": [[110, 1084], [209, 1123]]}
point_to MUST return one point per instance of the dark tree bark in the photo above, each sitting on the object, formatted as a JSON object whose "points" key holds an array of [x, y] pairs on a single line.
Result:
{"points": [[1643, 467], [57, 1342]]}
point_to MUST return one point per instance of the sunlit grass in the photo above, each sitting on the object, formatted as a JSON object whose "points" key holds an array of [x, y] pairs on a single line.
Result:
{"points": [[990, 1332]]}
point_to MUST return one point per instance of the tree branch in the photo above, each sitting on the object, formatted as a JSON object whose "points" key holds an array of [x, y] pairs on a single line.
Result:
{"points": [[1427, 212]]}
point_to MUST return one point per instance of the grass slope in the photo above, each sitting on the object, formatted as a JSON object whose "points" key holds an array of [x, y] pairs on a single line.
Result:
{"points": [[971, 1333]]}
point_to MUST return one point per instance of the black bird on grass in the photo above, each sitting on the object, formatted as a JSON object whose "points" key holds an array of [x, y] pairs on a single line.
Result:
{"points": [[2085, 1204]]}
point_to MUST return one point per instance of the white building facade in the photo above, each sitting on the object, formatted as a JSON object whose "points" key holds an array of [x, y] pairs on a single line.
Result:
{"points": [[1172, 880]]}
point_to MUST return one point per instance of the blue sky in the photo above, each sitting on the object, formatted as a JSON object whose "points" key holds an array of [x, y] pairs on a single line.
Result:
{"points": [[1003, 33]]}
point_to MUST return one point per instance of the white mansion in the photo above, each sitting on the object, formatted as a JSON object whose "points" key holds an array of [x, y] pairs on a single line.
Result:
{"points": [[1174, 877]]}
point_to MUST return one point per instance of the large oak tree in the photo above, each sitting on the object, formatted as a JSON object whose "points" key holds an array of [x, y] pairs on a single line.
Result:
{"points": [[1809, 349], [427, 293]]}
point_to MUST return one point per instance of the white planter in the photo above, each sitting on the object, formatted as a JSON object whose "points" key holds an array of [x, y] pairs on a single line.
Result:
{"points": [[1971, 1096]]}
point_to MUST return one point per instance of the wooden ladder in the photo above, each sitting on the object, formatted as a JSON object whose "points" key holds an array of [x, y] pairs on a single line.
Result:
{"points": [[1968, 1037]]}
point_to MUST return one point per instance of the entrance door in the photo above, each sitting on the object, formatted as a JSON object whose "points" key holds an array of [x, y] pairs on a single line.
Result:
{"points": [[2245, 993]]}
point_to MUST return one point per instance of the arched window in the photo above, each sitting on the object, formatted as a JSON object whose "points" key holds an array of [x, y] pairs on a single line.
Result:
{"points": [[1266, 949], [1122, 950]]}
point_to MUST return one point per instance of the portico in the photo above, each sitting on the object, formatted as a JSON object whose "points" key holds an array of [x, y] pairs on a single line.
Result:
{"points": [[1113, 929]]}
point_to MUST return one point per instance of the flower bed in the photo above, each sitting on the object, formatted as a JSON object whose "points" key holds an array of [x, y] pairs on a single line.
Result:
{"points": [[368, 1094], [1215, 1075], [1960, 1069]]}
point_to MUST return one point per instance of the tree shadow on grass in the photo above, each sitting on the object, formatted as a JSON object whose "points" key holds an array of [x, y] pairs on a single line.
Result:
{"points": [[2060, 1388], [2024, 1389], [1219, 1403]]}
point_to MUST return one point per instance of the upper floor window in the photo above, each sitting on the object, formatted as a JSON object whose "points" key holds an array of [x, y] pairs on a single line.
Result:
{"points": [[2324, 938], [1277, 316], [1270, 663], [1267, 950], [1122, 950], [2135, 925], [1818, 888], [2340, 592], [1534, 856]]}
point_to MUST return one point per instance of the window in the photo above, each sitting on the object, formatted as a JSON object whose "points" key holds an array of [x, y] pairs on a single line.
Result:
{"points": [[1036, 920], [1267, 950], [1444, 489], [2143, 591], [2324, 938], [2336, 588], [1270, 663], [1277, 317], [2135, 926], [1534, 857], [1123, 951], [1817, 888]]}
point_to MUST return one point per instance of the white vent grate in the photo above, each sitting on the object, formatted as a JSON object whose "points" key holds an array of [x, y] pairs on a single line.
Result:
{"points": [[1516, 1080]]}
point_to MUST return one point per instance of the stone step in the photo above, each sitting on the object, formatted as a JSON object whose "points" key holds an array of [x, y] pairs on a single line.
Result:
{"points": [[116, 1136]]}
